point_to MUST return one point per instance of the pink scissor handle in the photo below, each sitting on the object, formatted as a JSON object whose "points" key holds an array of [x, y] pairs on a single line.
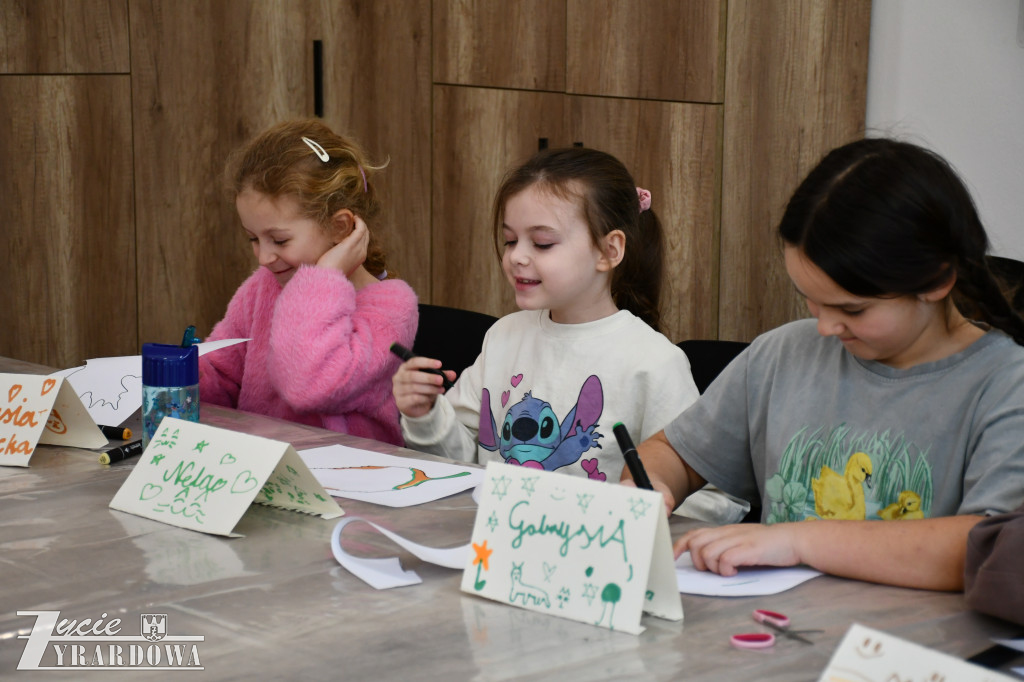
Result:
{"points": [[753, 640], [771, 617]]}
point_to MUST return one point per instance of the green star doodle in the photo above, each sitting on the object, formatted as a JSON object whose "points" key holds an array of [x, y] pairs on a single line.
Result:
{"points": [[638, 507], [492, 521], [584, 500], [528, 485], [589, 592], [200, 445], [501, 485], [156, 459]]}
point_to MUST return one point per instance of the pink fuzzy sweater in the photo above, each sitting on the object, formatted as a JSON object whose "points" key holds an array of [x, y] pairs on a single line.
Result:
{"points": [[319, 352]]}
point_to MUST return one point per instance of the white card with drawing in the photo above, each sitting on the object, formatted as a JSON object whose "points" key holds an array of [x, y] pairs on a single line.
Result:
{"points": [[586, 550], [204, 478], [39, 409], [875, 656]]}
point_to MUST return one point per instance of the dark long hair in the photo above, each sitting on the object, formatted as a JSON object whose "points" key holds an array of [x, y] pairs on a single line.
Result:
{"points": [[607, 195], [883, 217]]}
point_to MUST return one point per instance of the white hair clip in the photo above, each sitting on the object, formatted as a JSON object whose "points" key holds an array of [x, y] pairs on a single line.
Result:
{"points": [[317, 149]]}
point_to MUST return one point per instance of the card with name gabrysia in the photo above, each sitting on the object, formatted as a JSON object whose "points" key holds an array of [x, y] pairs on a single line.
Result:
{"points": [[204, 478], [586, 550], [39, 409]]}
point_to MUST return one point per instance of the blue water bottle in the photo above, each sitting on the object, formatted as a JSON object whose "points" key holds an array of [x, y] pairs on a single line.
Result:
{"points": [[170, 385]]}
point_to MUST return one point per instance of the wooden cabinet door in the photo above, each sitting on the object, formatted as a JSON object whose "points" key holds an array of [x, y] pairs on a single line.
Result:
{"points": [[382, 98], [779, 122], [64, 36], [671, 50], [205, 77], [69, 265], [506, 44], [670, 148], [479, 134]]}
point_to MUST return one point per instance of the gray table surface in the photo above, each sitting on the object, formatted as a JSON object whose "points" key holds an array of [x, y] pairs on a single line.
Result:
{"points": [[276, 605]]}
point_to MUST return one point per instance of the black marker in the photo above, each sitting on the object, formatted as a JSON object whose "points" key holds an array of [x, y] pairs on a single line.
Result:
{"points": [[116, 432], [406, 355], [636, 467], [123, 452]]}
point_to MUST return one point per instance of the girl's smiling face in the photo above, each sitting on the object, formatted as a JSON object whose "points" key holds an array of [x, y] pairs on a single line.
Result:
{"points": [[900, 332], [282, 239], [551, 260]]}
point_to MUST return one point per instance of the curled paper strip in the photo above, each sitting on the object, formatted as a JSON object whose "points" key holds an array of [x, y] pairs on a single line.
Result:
{"points": [[386, 573]]}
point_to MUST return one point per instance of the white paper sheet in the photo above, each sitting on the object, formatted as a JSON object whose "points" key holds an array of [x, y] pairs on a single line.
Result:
{"points": [[386, 479], [386, 573], [748, 582], [111, 388]]}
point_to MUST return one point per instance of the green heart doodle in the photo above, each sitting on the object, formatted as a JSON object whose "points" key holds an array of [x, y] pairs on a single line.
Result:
{"points": [[149, 491], [244, 482], [228, 459]]}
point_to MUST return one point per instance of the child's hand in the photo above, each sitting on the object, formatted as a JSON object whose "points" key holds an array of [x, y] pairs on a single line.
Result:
{"points": [[348, 254], [659, 486], [725, 548], [415, 391]]}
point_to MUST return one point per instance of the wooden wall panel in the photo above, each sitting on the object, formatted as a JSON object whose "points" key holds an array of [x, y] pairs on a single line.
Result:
{"points": [[670, 148], [656, 50], [69, 260], [474, 146], [206, 76], [507, 44], [382, 98], [787, 103], [64, 36]]}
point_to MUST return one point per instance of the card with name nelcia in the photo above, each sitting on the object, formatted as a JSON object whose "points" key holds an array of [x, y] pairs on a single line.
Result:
{"points": [[586, 550], [41, 410], [204, 478]]}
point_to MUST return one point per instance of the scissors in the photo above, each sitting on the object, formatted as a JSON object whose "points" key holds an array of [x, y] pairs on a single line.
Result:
{"points": [[762, 640]]}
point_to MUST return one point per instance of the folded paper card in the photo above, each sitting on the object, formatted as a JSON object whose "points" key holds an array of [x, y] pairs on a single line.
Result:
{"points": [[868, 654], [585, 550], [39, 409], [204, 478]]}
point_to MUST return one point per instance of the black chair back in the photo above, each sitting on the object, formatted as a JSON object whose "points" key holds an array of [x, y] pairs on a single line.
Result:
{"points": [[451, 335], [708, 357]]}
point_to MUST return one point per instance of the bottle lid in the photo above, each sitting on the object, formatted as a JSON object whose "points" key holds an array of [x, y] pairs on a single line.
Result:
{"points": [[169, 365]]}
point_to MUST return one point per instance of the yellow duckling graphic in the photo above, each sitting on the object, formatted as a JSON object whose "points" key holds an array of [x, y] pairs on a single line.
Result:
{"points": [[842, 497], [908, 506]]}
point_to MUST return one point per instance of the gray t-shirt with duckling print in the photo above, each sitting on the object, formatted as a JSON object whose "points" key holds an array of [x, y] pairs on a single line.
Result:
{"points": [[811, 431]]}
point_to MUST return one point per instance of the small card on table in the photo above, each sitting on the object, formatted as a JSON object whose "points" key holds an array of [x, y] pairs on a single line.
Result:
{"points": [[39, 409], [204, 478], [586, 550]]}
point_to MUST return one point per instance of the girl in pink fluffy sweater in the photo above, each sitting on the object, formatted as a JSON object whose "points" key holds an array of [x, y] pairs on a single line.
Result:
{"points": [[320, 311]]}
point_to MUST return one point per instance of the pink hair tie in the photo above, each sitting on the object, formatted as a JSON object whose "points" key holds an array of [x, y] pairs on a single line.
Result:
{"points": [[363, 173], [645, 198]]}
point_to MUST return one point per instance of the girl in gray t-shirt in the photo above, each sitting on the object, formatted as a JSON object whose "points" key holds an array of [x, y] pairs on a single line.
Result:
{"points": [[903, 401]]}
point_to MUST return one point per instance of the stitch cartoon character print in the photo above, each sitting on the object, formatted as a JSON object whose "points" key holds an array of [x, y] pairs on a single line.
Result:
{"points": [[532, 435]]}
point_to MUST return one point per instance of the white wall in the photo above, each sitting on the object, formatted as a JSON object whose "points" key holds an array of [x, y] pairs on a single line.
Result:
{"points": [[949, 75]]}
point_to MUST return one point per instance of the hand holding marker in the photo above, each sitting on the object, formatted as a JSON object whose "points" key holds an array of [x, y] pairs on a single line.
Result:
{"points": [[406, 355], [636, 467]]}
